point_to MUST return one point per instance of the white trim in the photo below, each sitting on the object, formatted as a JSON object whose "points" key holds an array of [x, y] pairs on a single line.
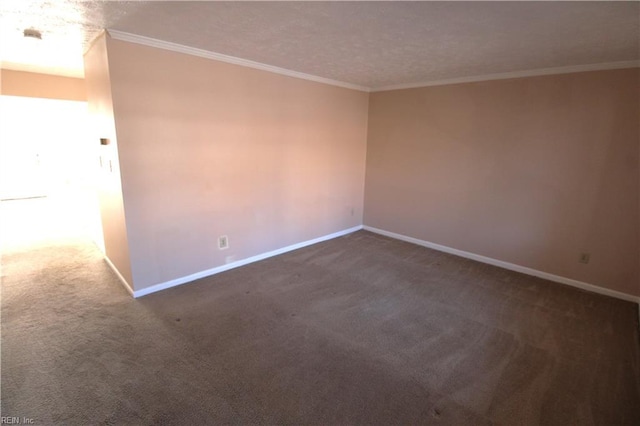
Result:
{"points": [[513, 74], [119, 275], [507, 265], [217, 270], [174, 47]]}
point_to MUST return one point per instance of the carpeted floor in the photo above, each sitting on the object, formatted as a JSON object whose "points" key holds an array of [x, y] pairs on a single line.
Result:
{"points": [[357, 330]]}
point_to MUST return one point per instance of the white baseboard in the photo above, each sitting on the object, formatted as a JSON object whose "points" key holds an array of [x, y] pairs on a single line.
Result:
{"points": [[217, 270], [119, 275], [509, 266]]}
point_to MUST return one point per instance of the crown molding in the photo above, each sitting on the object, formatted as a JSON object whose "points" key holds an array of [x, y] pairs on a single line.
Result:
{"points": [[93, 41], [160, 44], [514, 74], [174, 47]]}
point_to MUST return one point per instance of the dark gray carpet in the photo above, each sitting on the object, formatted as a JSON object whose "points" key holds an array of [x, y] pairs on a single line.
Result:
{"points": [[358, 330]]}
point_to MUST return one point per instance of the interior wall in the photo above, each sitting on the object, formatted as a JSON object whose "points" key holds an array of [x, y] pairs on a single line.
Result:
{"points": [[532, 171], [210, 149], [109, 181], [35, 85]]}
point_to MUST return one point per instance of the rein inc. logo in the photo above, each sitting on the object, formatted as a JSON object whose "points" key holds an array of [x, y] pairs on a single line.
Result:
{"points": [[7, 420]]}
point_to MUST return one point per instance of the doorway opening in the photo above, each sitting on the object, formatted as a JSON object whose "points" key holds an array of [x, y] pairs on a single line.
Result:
{"points": [[47, 174]]}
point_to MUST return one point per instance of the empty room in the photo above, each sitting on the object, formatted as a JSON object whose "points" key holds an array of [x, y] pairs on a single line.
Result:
{"points": [[331, 213]]}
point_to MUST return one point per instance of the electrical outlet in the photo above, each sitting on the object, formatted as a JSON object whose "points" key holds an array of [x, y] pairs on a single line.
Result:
{"points": [[584, 257], [223, 242]]}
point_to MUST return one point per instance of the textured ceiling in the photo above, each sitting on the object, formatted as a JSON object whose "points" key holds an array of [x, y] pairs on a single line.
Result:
{"points": [[370, 44]]}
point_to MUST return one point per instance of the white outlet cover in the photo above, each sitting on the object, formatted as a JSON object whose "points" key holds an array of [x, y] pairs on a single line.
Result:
{"points": [[223, 242]]}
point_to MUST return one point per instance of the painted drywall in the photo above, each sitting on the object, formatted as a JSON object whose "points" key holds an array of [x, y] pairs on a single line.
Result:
{"points": [[109, 182], [531, 171], [35, 85], [210, 149]]}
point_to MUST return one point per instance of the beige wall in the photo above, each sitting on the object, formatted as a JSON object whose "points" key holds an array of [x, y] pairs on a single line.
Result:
{"points": [[109, 179], [531, 171], [34, 85], [210, 149]]}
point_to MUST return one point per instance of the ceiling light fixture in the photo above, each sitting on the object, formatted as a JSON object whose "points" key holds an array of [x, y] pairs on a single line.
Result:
{"points": [[31, 33]]}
